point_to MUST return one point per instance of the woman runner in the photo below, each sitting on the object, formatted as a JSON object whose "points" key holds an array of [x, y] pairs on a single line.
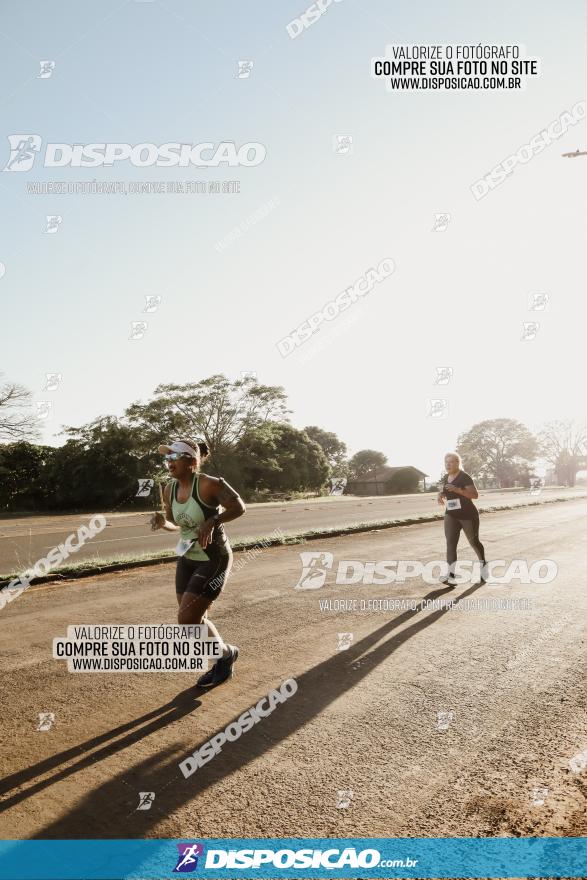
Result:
{"points": [[457, 493], [192, 503]]}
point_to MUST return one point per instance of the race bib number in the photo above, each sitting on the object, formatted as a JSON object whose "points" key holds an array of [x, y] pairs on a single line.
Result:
{"points": [[183, 545], [453, 504]]}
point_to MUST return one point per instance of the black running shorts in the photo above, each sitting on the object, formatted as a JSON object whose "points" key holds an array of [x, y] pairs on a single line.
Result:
{"points": [[202, 578]]}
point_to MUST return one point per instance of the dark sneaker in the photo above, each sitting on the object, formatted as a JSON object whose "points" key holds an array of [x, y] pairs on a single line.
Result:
{"points": [[221, 671], [205, 680], [448, 582]]}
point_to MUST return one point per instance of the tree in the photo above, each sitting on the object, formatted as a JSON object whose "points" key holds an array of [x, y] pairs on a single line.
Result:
{"points": [[23, 476], [277, 457], [100, 466], [334, 449], [364, 461], [15, 423], [500, 450], [215, 409], [562, 445]]}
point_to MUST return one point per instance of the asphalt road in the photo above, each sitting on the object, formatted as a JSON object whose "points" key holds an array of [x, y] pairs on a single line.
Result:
{"points": [[23, 541], [363, 720]]}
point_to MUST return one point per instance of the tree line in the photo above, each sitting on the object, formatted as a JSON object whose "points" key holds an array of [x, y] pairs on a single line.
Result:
{"points": [[253, 445]]}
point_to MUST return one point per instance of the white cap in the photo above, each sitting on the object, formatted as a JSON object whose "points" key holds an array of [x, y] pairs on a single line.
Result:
{"points": [[178, 446]]}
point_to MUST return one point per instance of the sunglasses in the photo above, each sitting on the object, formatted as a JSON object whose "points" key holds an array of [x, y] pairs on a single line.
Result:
{"points": [[174, 456]]}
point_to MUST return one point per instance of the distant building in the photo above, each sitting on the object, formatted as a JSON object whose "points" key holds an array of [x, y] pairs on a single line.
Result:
{"points": [[386, 480]]}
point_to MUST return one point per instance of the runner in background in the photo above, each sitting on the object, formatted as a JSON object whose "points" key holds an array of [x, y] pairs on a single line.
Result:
{"points": [[192, 503], [457, 493]]}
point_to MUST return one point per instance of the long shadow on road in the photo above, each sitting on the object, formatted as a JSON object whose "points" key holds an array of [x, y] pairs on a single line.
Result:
{"points": [[181, 705], [109, 811]]}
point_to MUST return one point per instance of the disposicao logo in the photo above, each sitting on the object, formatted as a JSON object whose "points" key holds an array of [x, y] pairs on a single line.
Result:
{"points": [[188, 857], [24, 149], [298, 859]]}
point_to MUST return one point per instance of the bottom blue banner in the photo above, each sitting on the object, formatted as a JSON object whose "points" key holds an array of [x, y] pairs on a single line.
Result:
{"points": [[294, 858]]}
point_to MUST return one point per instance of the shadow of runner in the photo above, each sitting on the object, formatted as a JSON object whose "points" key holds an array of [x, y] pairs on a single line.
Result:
{"points": [[317, 689], [181, 705]]}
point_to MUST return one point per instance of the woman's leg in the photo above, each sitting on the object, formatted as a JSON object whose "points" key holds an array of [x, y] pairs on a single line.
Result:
{"points": [[190, 576], [452, 531], [183, 572], [201, 589], [194, 609], [471, 530]]}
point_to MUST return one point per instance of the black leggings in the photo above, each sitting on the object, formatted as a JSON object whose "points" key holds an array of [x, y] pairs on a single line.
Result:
{"points": [[452, 530]]}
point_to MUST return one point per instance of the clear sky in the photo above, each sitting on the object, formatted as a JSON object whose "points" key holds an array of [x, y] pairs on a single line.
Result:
{"points": [[160, 72]]}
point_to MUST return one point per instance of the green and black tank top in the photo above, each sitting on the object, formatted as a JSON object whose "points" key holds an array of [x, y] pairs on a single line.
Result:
{"points": [[189, 516]]}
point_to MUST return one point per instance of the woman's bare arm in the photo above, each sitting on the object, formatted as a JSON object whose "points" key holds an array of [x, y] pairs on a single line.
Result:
{"points": [[164, 520]]}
